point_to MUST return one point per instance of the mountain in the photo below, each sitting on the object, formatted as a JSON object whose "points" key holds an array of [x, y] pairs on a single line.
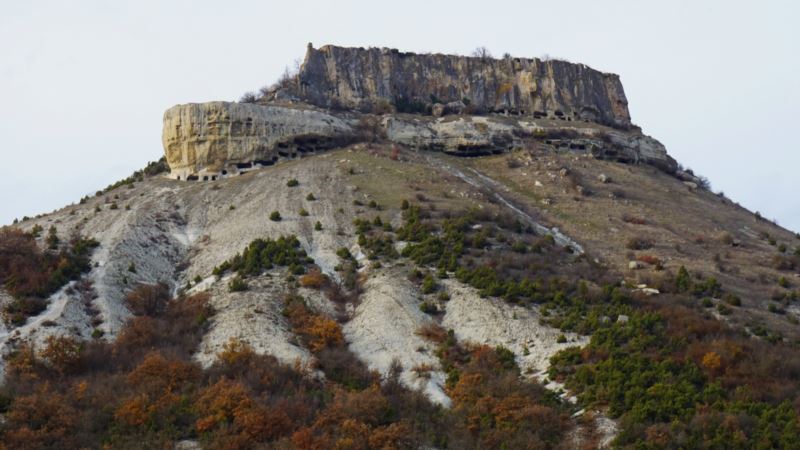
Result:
{"points": [[392, 250]]}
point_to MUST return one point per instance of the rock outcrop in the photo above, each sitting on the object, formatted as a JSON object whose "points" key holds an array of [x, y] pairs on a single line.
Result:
{"points": [[466, 106], [210, 140], [370, 79], [207, 140]]}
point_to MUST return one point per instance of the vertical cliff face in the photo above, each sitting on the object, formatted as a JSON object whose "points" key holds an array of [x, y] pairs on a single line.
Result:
{"points": [[372, 78], [220, 138]]}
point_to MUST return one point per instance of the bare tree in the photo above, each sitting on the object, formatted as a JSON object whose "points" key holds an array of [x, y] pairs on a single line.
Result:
{"points": [[249, 97], [482, 53]]}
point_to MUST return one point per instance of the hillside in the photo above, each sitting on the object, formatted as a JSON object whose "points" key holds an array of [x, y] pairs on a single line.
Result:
{"points": [[448, 278]]}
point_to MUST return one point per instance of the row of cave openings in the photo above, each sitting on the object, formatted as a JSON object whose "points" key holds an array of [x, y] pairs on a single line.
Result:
{"points": [[297, 147]]}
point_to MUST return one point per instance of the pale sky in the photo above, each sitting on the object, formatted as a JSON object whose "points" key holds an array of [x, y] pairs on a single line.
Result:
{"points": [[84, 84]]}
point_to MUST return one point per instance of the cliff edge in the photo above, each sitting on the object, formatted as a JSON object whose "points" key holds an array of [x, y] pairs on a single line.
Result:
{"points": [[370, 79], [465, 106]]}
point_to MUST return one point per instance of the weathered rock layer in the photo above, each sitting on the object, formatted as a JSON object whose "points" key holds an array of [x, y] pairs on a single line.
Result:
{"points": [[366, 79], [217, 138], [456, 104], [211, 140]]}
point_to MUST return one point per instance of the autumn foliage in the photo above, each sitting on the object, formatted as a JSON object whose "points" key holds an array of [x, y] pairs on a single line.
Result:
{"points": [[30, 275], [314, 279], [318, 331], [145, 390]]}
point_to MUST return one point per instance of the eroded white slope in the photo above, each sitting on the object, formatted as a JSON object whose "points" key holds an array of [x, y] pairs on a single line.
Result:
{"points": [[384, 329]]}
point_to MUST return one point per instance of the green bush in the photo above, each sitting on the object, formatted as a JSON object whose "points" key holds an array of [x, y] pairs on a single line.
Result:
{"points": [[303, 212], [265, 254], [275, 216], [292, 183], [52, 238], [310, 197], [638, 243], [732, 299], [237, 284], [683, 281], [318, 226], [344, 253], [428, 308], [428, 284]]}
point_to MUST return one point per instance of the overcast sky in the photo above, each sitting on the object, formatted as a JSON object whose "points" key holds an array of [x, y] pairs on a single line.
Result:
{"points": [[84, 84]]}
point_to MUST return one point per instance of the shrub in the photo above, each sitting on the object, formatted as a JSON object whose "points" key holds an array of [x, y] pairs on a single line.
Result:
{"points": [[313, 279], [683, 281], [30, 275], [292, 183], [634, 220], [429, 284], [649, 259], [726, 238], [344, 253], [310, 197], [428, 308], [275, 216], [237, 284], [784, 262], [148, 299], [52, 238], [264, 254], [63, 353], [732, 299], [318, 331], [432, 332], [783, 282], [36, 230], [404, 205], [638, 243], [303, 212], [318, 226]]}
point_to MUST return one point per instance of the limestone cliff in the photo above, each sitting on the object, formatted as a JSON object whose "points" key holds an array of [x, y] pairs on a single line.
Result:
{"points": [[461, 105], [369, 79], [212, 139]]}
